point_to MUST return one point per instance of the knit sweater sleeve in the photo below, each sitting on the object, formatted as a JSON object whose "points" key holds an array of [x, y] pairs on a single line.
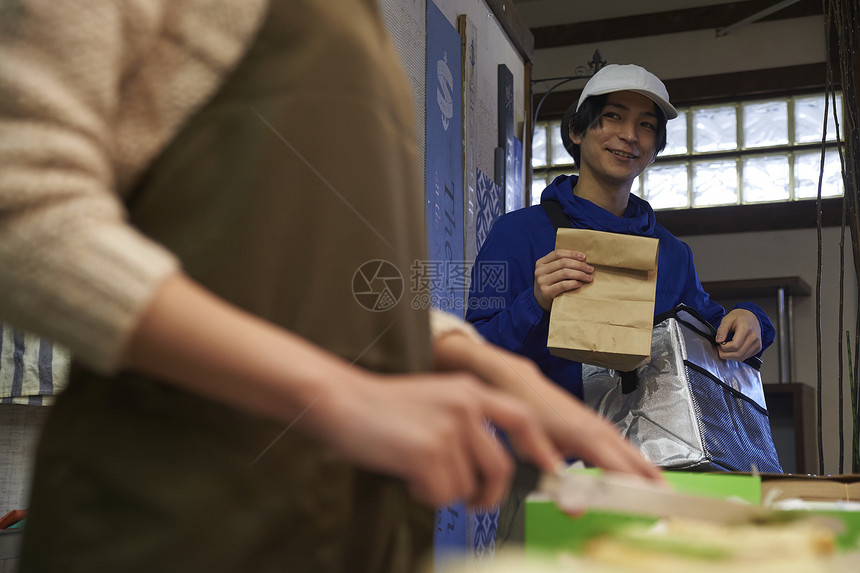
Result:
{"points": [[82, 112]]}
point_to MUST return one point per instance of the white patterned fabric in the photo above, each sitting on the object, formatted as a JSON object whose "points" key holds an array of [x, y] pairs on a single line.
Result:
{"points": [[19, 432], [32, 369]]}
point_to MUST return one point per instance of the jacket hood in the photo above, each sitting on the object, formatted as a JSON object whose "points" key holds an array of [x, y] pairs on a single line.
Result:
{"points": [[638, 219]]}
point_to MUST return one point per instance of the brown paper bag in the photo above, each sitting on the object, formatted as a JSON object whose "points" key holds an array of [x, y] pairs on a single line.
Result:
{"points": [[607, 322]]}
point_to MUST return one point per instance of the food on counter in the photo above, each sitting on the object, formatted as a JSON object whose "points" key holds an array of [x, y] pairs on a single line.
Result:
{"points": [[693, 545]]}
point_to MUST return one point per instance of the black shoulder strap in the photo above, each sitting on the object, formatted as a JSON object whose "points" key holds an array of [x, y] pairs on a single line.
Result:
{"points": [[556, 214]]}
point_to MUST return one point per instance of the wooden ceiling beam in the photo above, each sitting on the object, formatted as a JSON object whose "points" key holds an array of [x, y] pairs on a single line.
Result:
{"points": [[748, 218], [659, 23]]}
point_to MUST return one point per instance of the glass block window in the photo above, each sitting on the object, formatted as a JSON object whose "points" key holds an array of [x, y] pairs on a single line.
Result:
{"points": [[636, 189], [541, 179], [539, 154], [715, 183], [807, 167], [745, 152], [538, 185], [548, 150], [765, 124], [676, 136], [666, 186], [558, 154], [809, 118], [715, 128], [765, 178]]}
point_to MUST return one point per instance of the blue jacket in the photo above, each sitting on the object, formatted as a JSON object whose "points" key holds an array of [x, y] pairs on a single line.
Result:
{"points": [[502, 305]]}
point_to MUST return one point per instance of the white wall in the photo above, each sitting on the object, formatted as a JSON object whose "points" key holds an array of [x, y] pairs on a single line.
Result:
{"points": [[406, 20]]}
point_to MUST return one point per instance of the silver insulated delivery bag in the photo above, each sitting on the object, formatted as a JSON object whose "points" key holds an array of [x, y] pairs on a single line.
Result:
{"points": [[688, 408]]}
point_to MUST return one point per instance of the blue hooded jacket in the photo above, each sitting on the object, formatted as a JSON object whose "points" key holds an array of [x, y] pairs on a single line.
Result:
{"points": [[502, 305]]}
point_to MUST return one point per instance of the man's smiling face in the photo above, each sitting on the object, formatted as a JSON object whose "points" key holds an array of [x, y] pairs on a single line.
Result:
{"points": [[622, 143]]}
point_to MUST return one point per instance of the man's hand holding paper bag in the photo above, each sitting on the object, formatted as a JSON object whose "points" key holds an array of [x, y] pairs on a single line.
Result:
{"points": [[559, 272], [602, 311]]}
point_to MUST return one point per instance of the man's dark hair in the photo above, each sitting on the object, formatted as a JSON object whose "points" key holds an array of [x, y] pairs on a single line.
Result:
{"points": [[588, 116]]}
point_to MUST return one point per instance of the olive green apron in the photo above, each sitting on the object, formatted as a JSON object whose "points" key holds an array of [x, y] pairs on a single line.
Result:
{"points": [[301, 169]]}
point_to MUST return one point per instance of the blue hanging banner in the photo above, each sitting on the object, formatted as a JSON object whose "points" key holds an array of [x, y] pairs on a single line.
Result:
{"points": [[444, 204], [444, 165]]}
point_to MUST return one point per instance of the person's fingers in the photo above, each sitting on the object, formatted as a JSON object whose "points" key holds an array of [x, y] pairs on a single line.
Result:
{"points": [[559, 271], [744, 344], [616, 454], [553, 287], [729, 338], [633, 463], [636, 463], [745, 331], [561, 254], [751, 343], [568, 273], [727, 351], [579, 431], [465, 461], [620, 455], [550, 285], [462, 462], [545, 267], [470, 464], [428, 481], [495, 469], [442, 470], [730, 351], [599, 443], [528, 436], [724, 329], [564, 264], [569, 254]]}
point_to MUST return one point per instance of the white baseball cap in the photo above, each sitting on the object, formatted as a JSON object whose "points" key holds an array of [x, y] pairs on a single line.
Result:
{"points": [[629, 77]]}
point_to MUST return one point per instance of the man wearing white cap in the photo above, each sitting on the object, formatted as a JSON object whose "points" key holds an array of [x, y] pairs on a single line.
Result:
{"points": [[615, 131]]}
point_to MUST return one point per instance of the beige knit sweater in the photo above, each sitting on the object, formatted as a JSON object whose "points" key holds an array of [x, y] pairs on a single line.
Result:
{"points": [[90, 92]]}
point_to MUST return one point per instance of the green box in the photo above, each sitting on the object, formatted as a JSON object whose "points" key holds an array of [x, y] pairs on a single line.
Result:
{"points": [[549, 530]]}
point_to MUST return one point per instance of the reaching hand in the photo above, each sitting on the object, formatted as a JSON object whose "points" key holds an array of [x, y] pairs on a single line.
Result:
{"points": [[558, 272], [430, 430], [575, 429], [745, 331]]}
